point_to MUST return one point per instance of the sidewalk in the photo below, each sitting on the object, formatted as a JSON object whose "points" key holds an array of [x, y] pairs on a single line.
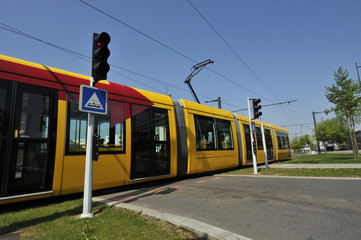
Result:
{"points": [[349, 165]]}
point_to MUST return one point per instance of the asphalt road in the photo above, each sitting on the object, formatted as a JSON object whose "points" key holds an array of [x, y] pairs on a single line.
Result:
{"points": [[260, 207]]}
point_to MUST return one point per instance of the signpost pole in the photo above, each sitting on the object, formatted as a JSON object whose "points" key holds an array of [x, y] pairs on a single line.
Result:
{"points": [[88, 179], [254, 158]]}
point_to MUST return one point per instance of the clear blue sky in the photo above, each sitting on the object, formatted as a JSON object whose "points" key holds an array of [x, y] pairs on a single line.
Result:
{"points": [[291, 47]]}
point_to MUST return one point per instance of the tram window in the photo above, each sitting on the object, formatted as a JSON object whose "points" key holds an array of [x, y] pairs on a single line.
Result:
{"points": [[213, 133], [224, 131], [34, 118], [279, 140], [282, 140], [287, 141], [161, 140], [205, 133], [77, 127], [110, 127], [259, 138]]}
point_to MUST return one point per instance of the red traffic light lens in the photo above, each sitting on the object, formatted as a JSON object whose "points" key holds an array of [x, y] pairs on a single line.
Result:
{"points": [[102, 39]]}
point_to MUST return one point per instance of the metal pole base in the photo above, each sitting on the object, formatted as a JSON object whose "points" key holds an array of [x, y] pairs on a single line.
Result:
{"points": [[87, 215]]}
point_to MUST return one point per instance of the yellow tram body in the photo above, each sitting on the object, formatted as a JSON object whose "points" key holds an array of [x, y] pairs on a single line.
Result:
{"points": [[145, 136]]}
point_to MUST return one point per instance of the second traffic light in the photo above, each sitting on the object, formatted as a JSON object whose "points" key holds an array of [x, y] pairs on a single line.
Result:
{"points": [[95, 148], [100, 66], [256, 108]]}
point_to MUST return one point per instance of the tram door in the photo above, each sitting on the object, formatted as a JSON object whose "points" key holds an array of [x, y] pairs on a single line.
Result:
{"points": [[269, 144], [248, 143], [150, 142], [28, 126]]}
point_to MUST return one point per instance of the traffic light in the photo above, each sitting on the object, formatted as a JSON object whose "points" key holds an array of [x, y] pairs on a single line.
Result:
{"points": [[256, 108], [100, 66], [96, 145], [254, 147]]}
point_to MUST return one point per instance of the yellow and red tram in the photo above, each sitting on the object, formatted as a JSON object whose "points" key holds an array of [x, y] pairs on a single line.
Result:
{"points": [[145, 136]]}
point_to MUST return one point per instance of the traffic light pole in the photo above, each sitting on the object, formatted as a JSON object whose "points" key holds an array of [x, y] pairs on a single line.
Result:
{"points": [[254, 157], [99, 70], [88, 179]]}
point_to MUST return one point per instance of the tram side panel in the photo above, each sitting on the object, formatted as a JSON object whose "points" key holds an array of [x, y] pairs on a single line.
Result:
{"points": [[140, 138], [282, 142], [211, 138], [60, 144]]}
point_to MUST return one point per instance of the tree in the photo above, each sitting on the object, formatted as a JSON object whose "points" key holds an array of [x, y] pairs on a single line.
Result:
{"points": [[298, 143], [339, 132], [345, 95], [333, 129], [323, 132], [305, 140]]}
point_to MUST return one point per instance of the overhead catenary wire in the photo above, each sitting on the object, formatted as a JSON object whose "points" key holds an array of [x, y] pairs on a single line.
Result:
{"points": [[231, 48], [76, 54], [166, 46], [178, 52], [268, 105], [14, 30], [187, 57], [138, 31], [79, 56], [88, 59], [297, 124], [243, 61]]}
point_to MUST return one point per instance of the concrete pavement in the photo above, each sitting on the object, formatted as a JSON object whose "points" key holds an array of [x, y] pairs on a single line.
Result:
{"points": [[204, 230]]}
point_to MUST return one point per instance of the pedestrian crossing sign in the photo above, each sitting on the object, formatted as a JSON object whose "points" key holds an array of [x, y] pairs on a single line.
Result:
{"points": [[253, 127], [93, 100]]}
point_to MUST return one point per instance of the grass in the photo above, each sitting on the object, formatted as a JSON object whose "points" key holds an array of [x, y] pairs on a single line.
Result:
{"points": [[308, 172], [62, 221], [323, 158]]}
